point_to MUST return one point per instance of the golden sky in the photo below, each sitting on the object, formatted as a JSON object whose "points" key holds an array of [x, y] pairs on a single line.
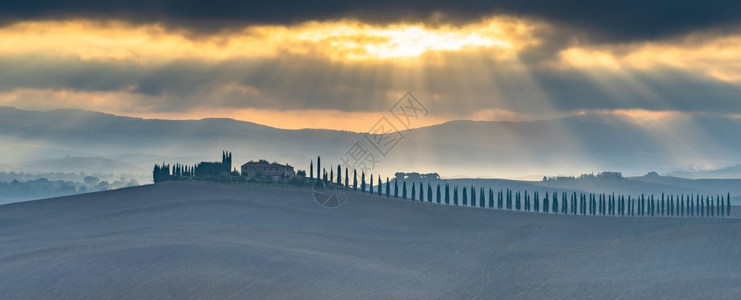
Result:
{"points": [[345, 73]]}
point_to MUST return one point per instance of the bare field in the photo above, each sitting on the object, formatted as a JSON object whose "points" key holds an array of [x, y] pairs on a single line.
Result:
{"points": [[209, 240]]}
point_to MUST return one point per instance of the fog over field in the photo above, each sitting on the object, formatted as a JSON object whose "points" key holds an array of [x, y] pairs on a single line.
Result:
{"points": [[211, 240]]}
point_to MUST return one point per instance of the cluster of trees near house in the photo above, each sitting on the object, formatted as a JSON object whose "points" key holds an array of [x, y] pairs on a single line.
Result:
{"points": [[203, 170], [557, 203], [213, 171]]}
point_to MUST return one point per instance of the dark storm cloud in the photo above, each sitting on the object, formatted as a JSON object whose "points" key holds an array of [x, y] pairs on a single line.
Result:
{"points": [[608, 19]]}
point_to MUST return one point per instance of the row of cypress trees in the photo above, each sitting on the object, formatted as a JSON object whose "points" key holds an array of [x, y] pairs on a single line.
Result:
{"points": [[565, 203]]}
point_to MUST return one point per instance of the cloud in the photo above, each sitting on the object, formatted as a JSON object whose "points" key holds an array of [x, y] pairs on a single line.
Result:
{"points": [[612, 20], [498, 68]]}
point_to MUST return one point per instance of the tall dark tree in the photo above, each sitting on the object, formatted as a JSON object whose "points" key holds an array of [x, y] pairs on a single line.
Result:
{"points": [[728, 204], [465, 197], [354, 179], [396, 189], [482, 198], [555, 206], [319, 166], [546, 204], [347, 179], [473, 197], [438, 193], [311, 169], [339, 175], [421, 192], [324, 175], [371, 184], [380, 183], [362, 181], [517, 201], [403, 189], [414, 191], [536, 202]]}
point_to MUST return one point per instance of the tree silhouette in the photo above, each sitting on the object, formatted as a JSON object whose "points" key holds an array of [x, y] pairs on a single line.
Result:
{"points": [[362, 181], [414, 194], [482, 198], [465, 197], [311, 169], [404, 190], [728, 204], [536, 202], [438, 193], [354, 179], [546, 203], [421, 192], [370, 190], [339, 175], [318, 166], [396, 189], [347, 179], [331, 175], [555, 205], [380, 183]]}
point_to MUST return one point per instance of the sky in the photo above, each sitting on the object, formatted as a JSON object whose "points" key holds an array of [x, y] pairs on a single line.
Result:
{"points": [[344, 64]]}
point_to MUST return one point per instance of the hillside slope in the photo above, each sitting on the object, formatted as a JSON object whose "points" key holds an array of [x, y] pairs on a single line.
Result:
{"points": [[208, 240]]}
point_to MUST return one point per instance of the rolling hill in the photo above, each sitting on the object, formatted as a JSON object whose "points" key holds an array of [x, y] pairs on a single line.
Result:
{"points": [[209, 240]]}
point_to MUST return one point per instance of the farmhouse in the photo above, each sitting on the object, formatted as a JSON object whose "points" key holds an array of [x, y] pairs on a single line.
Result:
{"points": [[263, 167]]}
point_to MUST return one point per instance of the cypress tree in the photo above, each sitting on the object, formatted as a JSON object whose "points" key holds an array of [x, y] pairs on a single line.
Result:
{"points": [[500, 199], [447, 194], [362, 181], [380, 184], [370, 186], [339, 175], [421, 192], [473, 197], [517, 201], [347, 179], [318, 166], [536, 202], [331, 175], [396, 189], [354, 179], [482, 198], [555, 206], [565, 205], [728, 204], [404, 190], [491, 198], [438, 193], [465, 197], [324, 175], [717, 205], [546, 204], [414, 194]]}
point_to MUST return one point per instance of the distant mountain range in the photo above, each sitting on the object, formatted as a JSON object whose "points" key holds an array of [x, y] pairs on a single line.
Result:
{"points": [[569, 146]]}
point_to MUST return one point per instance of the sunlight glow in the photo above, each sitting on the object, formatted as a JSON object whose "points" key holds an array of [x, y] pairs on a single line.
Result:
{"points": [[346, 40], [717, 57]]}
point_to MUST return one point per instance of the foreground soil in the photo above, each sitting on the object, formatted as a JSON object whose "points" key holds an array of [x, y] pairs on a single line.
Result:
{"points": [[210, 240]]}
